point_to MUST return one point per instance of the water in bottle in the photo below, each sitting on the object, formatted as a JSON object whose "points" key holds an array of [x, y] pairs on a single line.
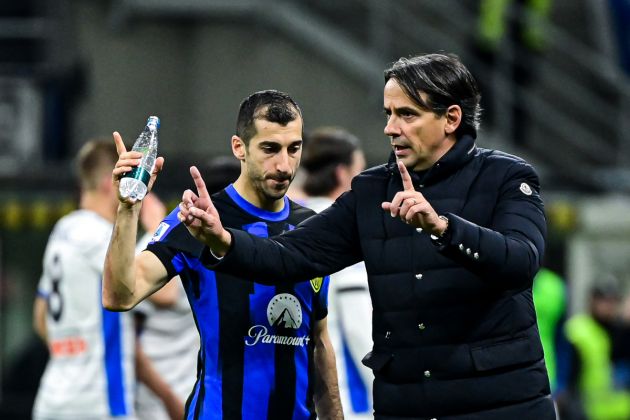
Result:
{"points": [[134, 183]]}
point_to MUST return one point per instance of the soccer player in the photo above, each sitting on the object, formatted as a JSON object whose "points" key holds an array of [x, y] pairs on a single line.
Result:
{"points": [[265, 350], [332, 157], [91, 370]]}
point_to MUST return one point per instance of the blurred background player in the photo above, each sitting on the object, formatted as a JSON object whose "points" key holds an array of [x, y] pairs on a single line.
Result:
{"points": [[549, 293], [92, 366], [331, 158], [597, 339]]}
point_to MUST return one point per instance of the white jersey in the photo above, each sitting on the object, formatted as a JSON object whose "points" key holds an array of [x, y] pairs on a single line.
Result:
{"points": [[91, 370], [350, 330], [170, 339]]}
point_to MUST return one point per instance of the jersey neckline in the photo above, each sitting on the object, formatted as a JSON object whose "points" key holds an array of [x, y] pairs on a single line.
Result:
{"points": [[248, 207]]}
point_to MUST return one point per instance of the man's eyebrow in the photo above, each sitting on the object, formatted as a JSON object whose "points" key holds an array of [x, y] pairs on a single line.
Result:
{"points": [[277, 143], [402, 110]]}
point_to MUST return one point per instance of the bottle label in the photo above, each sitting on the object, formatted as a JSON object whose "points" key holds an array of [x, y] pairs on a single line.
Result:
{"points": [[140, 174]]}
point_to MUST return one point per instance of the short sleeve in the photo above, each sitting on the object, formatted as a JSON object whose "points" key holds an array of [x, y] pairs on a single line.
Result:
{"points": [[44, 286], [320, 307]]}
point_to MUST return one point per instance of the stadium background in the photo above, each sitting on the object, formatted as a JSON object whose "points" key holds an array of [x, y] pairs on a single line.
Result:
{"points": [[72, 70]]}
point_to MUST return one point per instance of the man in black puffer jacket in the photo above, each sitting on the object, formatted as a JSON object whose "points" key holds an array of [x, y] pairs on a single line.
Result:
{"points": [[451, 235]]}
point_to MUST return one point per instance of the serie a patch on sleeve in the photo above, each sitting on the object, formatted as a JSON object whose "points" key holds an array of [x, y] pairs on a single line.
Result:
{"points": [[160, 231]]}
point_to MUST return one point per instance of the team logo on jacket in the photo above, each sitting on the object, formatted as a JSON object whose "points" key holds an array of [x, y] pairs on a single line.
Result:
{"points": [[525, 189], [316, 283], [284, 312]]}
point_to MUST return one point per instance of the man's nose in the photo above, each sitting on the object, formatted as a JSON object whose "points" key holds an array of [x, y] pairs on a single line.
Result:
{"points": [[391, 128], [283, 162]]}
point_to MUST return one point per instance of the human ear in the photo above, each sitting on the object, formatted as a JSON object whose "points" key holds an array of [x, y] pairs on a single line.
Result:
{"points": [[453, 118], [238, 147]]}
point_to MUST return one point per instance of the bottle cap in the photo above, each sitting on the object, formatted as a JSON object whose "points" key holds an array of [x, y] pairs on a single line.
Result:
{"points": [[154, 120]]}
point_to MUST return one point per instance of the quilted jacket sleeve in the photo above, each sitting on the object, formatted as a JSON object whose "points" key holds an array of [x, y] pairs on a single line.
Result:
{"points": [[509, 251], [321, 245]]}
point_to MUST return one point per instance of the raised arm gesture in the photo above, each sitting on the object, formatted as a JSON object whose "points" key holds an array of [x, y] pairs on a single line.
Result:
{"points": [[412, 208], [127, 160], [201, 218], [127, 279]]}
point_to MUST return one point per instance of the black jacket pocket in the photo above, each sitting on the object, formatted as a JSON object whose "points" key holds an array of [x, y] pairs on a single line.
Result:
{"points": [[506, 353], [377, 361]]}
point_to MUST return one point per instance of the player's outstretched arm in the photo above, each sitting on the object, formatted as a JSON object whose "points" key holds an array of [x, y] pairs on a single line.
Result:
{"points": [[128, 279], [201, 218]]}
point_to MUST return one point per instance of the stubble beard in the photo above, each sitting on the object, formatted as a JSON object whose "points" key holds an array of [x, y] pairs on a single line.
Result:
{"points": [[262, 184]]}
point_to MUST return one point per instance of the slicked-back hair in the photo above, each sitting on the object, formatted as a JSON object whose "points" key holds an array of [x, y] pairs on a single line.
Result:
{"points": [[324, 150], [445, 81], [96, 158], [270, 105]]}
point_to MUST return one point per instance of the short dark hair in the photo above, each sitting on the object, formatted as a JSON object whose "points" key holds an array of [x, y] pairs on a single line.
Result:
{"points": [[95, 158], [270, 105], [325, 149], [446, 81], [219, 172]]}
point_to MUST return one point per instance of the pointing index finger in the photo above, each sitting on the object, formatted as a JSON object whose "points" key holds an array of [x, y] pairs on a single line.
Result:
{"points": [[120, 145], [406, 179], [202, 191]]}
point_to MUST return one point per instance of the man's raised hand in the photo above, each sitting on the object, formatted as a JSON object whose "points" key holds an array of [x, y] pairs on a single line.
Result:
{"points": [[127, 160], [201, 218], [412, 208]]}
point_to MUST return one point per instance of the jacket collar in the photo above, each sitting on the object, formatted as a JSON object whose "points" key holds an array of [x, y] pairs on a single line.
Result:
{"points": [[462, 151]]}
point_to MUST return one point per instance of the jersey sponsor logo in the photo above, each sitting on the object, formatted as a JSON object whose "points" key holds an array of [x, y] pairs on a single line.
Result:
{"points": [[525, 189], [260, 334], [70, 346], [316, 283], [160, 231], [284, 312]]}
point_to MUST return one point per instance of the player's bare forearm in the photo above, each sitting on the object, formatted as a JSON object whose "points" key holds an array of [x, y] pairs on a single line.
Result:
{"points": [[119, 277], [40, 307], [326, 398]]}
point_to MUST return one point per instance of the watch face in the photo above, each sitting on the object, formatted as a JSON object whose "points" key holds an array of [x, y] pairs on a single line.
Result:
{"points": [[446, 228]]}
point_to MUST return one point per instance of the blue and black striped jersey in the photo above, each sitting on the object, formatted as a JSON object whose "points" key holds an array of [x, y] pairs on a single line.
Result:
{"points": [[256, 355]]}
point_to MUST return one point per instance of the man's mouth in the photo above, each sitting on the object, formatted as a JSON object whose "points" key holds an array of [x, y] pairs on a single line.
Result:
{"points": [[280, 180], [398, 147]]}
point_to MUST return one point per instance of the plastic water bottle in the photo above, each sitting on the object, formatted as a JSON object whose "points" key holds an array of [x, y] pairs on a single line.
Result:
{"points": [[134, 183]]}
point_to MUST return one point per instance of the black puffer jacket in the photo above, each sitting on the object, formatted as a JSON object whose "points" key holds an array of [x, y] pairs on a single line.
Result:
{"points": [[454, 325]]}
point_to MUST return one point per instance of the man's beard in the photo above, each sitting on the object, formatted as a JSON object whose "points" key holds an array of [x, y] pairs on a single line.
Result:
{"points": [[268, 191]]}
